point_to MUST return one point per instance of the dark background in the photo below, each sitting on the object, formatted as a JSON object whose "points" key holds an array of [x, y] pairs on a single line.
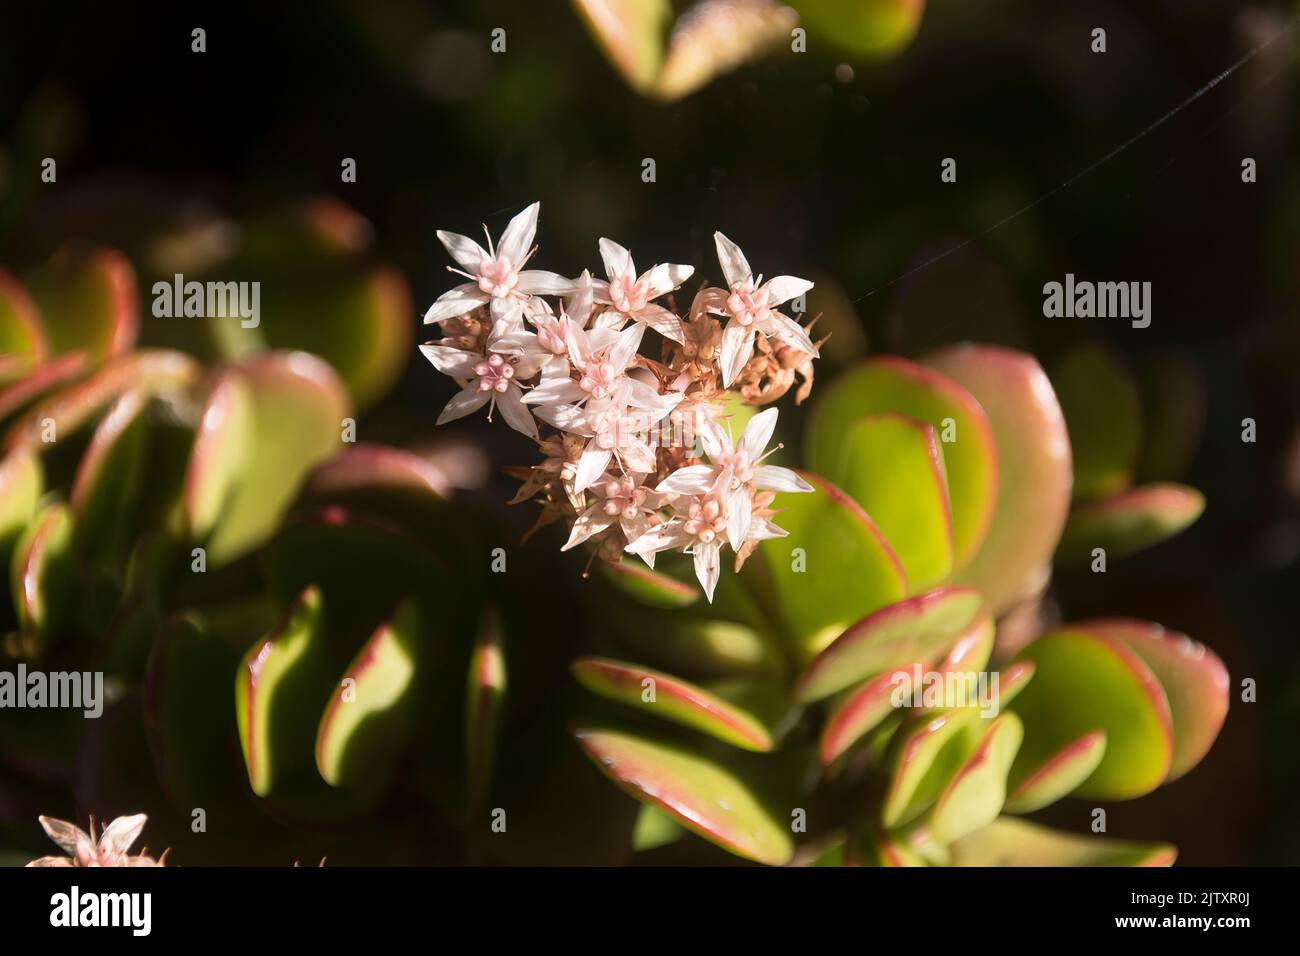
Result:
{"points": [[815, 174]]}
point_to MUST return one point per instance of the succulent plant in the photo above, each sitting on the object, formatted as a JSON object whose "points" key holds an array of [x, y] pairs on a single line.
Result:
{"points": [[108, 849], [793, 720]]}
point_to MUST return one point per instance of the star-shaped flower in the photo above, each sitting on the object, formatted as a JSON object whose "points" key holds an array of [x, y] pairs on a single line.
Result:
{"points": [[630, 295], [497, 275], [751, 307]]}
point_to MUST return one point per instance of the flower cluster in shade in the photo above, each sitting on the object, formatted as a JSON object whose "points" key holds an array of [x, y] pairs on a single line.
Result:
{"points": [[638, 453]]}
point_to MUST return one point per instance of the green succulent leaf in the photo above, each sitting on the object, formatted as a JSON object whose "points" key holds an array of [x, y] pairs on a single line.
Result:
{"points": [[1194, 680], [1033, 467], [1037, 785], [88, 302], [107, 483], [43, 578], [672, 698], [222, 442], [924, 756], [699, 647], [893, 467], [654, 828], [888, 385], [23, 344], [187, 683], [843, 569], [1012, 842], [861, 711], [297, 409], [700, 794], [282, 683], [917, 628], [1086, 680], [871, 28], [487, 689], [21, 484], [54, 374], [649, 587], [368, 720], [631, 34], [974, 796], [1129, 522], [1103, 412]]}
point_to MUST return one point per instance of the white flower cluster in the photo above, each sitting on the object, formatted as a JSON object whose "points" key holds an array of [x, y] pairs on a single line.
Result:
{"points": [[623, 466]]}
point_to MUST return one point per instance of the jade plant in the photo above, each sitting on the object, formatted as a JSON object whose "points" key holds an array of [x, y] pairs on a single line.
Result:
{"points": [[848, 695], [263, 593]]}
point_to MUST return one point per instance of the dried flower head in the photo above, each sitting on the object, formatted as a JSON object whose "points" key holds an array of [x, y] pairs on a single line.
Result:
{"points": [[110, 849], [621, 465]]}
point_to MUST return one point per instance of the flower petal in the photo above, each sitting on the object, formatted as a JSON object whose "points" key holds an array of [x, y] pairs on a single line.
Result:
{"points": [[784, 288], [580, 305], [740, 509], [457, 363], [662, 321], [660, 538], [707, 562], [542, 282], [691, 480], [775, 478], [737, 350], [757, 434], [592, 521], [518, 236], [454, 302], [620, 353], [734, 266], [469, 255], [591, 465], [467, 400], [618, 261], [789, 331], [516, 414], [665, 277], [560, 390]]}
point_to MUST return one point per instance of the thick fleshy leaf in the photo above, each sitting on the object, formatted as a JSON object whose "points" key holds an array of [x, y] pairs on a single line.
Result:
{"points": [[861, 711], [865, 27], [918, 628], [1034, 786], [697, 792], [1193, 678], [88, 302], [43, 578], [1103, 412], [378, 479], [107, 482], [875, 847], [366, 725], [53, 374], [360, 323], [187, 685], [974, 796], [1173, 406], [923, 757], [889, 385], [66, 410], [654, 828], [1011, 842], [1129, 522], [21, 484], [1034, 470], [834, 568], [715, 36], [487, 689], [702, 648], [298, 406], [282, 684], [893, 467], [631, 34], [221, 442], [1084, 681], [22, 338], [672, 698], [649, 586]]}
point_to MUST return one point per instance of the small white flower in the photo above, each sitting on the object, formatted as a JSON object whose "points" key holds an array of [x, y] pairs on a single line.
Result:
{"points": [[491, 378], [751, 305], [630, 295], [497, 276]]}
